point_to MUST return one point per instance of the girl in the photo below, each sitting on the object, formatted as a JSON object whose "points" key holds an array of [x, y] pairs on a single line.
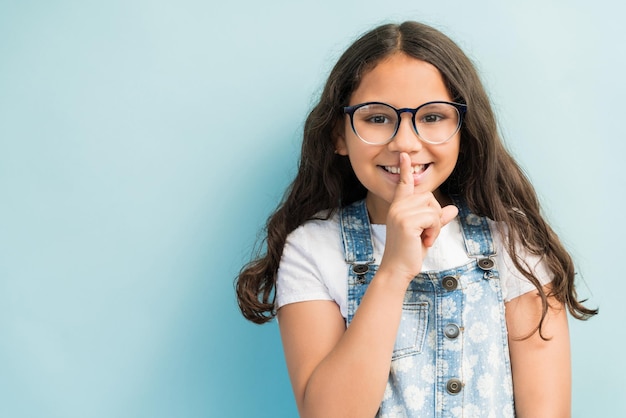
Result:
{"points": [[409, 265]]}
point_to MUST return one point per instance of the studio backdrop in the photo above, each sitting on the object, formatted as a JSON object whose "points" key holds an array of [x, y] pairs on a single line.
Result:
{"points": [[144, 143]]}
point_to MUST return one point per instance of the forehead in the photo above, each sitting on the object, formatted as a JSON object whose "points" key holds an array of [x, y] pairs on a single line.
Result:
{"points": [[401, 81]]}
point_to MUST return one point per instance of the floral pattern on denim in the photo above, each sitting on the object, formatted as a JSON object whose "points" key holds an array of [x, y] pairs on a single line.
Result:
{"points": [[451, 357]]}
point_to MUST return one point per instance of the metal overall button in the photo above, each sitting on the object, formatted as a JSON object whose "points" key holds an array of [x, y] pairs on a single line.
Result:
{"points": [[451, 331], [486, 263], [454, 386], [360, 270], [450, 283]]}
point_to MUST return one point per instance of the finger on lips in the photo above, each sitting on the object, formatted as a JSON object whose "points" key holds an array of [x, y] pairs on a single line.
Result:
{"points": [[406, 185]]}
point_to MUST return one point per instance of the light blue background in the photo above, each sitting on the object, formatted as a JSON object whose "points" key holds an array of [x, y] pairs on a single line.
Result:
{"points": [[144, 143]]}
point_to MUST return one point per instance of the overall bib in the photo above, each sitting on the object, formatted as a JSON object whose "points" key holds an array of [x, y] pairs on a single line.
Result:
{"points": [[451, 354]]}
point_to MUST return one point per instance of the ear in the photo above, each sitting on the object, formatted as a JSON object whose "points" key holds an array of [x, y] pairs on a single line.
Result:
{"points": [[341, 148]]}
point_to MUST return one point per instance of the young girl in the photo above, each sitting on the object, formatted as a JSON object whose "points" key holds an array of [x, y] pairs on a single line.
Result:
{"points": [[409, 265]]}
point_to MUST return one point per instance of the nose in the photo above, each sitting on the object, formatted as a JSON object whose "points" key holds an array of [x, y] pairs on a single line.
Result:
{"points": [[405, 140]]}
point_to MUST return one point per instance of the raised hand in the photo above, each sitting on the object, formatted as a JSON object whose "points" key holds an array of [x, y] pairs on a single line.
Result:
{"points": [[413, 223]]}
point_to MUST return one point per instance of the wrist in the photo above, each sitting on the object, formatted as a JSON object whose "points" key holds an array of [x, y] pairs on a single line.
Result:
{"points": [[394, 276]]}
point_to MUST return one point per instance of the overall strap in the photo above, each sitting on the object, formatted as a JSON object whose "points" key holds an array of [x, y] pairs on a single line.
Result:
{"points": [[355, 233], [476, 232]]}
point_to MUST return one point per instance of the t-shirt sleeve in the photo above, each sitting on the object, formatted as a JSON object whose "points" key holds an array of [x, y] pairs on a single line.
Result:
{"points": [[298, 278], [513, 281]]}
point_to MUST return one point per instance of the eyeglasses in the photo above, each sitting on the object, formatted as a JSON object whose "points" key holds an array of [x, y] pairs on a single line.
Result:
{"points": [[377, 123]]}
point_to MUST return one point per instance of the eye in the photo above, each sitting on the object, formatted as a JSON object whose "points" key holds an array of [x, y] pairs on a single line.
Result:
{"points": [[376, 114], [432, 118], [379, 119], [436, 113]]}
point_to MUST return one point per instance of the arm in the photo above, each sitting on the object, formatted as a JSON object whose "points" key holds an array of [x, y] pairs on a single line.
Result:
{"points": [[541, 369], [337, 372]]}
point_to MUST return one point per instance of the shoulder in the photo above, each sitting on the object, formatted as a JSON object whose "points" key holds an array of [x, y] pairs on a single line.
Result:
{"points": [[514, 282], [313, 240], [311, 264], [320, 228]]}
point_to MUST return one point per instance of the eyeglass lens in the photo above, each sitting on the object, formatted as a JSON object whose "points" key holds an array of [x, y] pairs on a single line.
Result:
{"points": [[378, 123]]}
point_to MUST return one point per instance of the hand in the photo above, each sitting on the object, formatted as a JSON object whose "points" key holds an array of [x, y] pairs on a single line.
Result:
{"points": [[414, 221]]}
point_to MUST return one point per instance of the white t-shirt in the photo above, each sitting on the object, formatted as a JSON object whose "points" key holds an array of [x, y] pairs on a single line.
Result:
{"points": [[313, 267]]}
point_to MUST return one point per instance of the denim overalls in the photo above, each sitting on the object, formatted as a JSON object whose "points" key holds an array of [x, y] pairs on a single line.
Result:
{"points": [[451, 355]]}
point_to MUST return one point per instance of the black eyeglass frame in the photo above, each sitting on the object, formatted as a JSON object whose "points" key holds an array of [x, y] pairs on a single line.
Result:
{"points": [[460, 107]]}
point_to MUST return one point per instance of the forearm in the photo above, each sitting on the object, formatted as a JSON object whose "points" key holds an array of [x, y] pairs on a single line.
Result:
{"points": [[351, 379]]}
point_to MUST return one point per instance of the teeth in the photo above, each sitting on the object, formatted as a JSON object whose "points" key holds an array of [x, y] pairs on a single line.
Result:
{"points": [[396, 169]]}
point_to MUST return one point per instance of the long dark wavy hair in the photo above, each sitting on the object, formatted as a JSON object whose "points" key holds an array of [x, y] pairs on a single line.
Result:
{"points": [[486, 175]]}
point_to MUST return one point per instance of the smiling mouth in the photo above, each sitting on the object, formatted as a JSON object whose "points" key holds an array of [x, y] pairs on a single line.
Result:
{"points": [[416, 169]]}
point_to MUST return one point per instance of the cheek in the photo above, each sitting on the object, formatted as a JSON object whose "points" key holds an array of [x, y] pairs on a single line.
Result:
{"points": [[452, 153], [446, 155], [455, 154]]}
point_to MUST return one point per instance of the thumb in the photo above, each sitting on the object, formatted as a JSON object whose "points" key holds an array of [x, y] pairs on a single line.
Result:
{"points": [[448, 213], [406, 186]]}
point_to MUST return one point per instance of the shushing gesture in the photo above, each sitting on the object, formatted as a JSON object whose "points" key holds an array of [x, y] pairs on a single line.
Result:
{"points": [[414, 221]]}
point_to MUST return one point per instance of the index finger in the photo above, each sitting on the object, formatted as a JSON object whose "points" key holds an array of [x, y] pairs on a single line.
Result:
{"points": [[406, 185]]}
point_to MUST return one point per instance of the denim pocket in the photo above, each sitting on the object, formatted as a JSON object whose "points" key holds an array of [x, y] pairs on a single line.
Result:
{"points": [[412, 330]]}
